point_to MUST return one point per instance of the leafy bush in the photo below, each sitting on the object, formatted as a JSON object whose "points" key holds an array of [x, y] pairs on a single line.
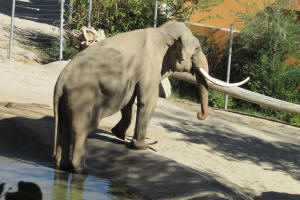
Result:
{"points": [[51, 50], [115, 16], [268, 38], [182, 89], [217, 99]]}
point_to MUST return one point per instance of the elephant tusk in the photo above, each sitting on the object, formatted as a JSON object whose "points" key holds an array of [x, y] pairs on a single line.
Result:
{"points": [[219, 82]]}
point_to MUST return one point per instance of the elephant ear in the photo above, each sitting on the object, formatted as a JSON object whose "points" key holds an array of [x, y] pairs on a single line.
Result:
{"points": [[174, 31], [178, 31]]}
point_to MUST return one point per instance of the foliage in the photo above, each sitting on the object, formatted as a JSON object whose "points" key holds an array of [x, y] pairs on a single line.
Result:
{"points": [[51, 50], [268, 38], [217, 100], [214, 55], [182, 10], [182, 89], [116, 16]]}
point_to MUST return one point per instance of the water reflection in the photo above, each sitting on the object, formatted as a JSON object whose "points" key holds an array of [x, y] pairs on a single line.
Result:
{"points": [[58, 185], [78, 187]]}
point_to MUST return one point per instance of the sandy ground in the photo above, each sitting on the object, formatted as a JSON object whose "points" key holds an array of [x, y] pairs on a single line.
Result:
{"points": [[259, 157]]}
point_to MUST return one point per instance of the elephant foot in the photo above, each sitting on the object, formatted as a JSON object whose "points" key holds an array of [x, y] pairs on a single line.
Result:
{"points": [[80, 170], [72, 169], [66, 168], [64, 165], [138, 145], [119, 134], [79, 166]]}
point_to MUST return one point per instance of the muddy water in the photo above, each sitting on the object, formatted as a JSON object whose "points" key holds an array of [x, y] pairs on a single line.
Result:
{"points": [[54, 184]]}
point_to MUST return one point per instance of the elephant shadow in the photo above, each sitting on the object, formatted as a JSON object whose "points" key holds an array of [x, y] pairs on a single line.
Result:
{"points": [[27, 139], [33, 139]]}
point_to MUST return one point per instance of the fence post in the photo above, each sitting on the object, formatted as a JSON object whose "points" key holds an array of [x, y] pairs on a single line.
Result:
{"points": [[229, 62], [61, 46], [90, 12], [11, 28], [155, 13]]}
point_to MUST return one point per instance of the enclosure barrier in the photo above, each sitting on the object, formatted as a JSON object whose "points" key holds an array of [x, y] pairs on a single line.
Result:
{"points": [[211, 27], [246, 95], [229, 62]]}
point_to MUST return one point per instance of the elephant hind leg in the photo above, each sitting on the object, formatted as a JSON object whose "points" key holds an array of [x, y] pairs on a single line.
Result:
{"points": [[78, 153], [84, 122], [120, 129], [63, 140]]}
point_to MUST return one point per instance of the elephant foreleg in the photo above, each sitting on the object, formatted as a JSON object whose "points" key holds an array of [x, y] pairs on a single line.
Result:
{"points": [[120, 129], [147, 98]]}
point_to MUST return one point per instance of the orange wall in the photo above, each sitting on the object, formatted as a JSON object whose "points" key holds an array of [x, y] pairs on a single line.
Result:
{"points": [[223, 10]]}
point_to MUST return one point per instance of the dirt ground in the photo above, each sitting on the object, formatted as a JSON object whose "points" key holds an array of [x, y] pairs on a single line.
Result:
{"points": [[256, 158]]}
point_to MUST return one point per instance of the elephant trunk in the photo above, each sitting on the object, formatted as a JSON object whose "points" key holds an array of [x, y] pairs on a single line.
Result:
{"points": [[199, 60], [203, 93]]}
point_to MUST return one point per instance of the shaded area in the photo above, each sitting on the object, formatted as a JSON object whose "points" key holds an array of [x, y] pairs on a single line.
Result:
{"points": [[235, 145], [29, 139], [277, 196], [34, 37], [158, 177]]}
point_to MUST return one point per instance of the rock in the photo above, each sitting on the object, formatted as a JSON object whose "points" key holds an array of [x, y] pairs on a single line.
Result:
{"points": [[85, 37], [165, 88]]}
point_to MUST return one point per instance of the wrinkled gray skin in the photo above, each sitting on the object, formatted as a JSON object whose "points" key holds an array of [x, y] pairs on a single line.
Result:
{"points": [[108, 76]]}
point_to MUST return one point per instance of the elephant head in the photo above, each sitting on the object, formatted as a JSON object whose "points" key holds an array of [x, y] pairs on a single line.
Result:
{"points": [[185, 55]]}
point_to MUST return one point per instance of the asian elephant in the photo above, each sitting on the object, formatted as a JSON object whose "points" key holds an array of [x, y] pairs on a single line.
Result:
{"points": [[107, 77]]}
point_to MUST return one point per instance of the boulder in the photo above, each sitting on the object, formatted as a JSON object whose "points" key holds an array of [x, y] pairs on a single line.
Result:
{"points": [[165, 88]]}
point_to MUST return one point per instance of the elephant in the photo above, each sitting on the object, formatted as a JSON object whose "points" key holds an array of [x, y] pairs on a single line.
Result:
{"points": [[107, 77]]}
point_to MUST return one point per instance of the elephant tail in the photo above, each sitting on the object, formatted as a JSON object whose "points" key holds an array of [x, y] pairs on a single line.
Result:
{"points": [[57, 97], [58, 93]]}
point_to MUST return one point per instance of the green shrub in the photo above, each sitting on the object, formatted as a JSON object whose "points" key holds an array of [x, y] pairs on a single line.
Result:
{"points": [[51, 50], [185, 90], [267, 39], [115, 16], [217, 100]]}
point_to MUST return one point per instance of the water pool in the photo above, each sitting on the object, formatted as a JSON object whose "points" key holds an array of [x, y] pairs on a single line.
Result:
{"points": [[58, 185]]}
